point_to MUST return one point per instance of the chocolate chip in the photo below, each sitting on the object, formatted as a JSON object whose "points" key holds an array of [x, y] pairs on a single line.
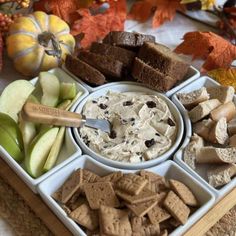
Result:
{"points": [[132, 119], [151, 104], [150, 142], [170, 122], [106, 112], [128, 103], [94, 101], [123, 121], [113, 134], [157, 134], [103, 106]]}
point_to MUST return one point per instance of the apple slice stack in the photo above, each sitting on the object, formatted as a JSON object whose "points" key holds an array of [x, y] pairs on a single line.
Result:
{"points": [[37, 145]]}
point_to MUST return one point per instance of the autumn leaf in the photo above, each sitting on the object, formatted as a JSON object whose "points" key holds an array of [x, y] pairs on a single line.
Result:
{"points": [[163, 10], [95, 27], [65, 9], [205, 4], [215, 50], [1, 51], [226, 77]]}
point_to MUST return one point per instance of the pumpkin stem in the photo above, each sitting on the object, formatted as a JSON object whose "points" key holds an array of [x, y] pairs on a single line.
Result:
{"points": [[50, 43]]}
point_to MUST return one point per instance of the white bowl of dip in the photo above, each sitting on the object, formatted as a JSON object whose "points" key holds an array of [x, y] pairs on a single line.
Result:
{"points": [[147, 144]]}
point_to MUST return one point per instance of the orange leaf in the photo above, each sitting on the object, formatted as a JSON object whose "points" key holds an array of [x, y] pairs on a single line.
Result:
{"points": [[226, 77], [95, 27], [164, 10], [65, 9], [1, 51], [217, 51]]}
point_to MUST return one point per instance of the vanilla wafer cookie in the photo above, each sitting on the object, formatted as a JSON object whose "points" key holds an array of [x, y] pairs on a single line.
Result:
{"points": [[176, 207], [183, 192], [101, 193], [158, 214], [114, 221], [131, 183], [71, 185], [142, 208], [85, 216]]}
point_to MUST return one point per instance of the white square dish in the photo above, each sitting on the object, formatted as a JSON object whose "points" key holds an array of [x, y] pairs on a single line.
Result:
{"points": [[124, 87], [191, 75], [200, 173], [70, 149], [168, 169]]}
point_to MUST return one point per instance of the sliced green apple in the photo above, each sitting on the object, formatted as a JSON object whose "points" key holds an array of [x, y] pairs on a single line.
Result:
{"points": [[55, 150], [51, 89], [28, 131], [38, 151], [67, 91], [12, 128], [33, 99], [9, 144], [14, 97], [63, 105]]}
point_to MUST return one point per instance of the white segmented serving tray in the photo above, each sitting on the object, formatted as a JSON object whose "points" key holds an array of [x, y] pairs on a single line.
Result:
{"points": [[200, 173], [168, 169], [124, 87], [70, 149], [191, 75]]}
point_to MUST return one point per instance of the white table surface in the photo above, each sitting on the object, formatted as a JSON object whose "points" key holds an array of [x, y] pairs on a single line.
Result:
{"points": [[170, 34]]}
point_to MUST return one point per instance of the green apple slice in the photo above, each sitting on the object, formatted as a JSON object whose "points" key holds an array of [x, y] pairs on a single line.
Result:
{"points": [[67, 91], [9, 144], [12, 128], [14, 97], [63, 105], [38, 151], [51, 89], [55, 150], [28, 131]]}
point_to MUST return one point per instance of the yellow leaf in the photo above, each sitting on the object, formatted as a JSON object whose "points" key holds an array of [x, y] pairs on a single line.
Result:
{"points": [[226, 77], [206, 4]]}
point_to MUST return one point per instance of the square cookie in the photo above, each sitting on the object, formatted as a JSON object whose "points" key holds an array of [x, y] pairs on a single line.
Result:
{"points": [[101, 193]]}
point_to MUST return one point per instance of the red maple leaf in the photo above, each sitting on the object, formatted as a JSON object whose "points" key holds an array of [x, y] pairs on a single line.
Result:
{"points": [[95, 27], [163, 10], [1, 51], [215, 50], [65, 9]]}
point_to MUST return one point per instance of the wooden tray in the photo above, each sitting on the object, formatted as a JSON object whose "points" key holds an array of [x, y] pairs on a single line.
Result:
{"points": [[57, 228]]}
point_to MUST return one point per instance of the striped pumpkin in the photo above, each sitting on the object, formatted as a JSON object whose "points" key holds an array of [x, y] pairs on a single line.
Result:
{"points": [[39, 42]]}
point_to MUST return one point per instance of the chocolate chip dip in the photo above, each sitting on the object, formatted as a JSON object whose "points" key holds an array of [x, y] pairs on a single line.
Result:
{"points": [[143, 127]]}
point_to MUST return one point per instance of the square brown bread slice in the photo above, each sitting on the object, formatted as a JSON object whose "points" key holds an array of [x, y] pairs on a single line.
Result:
{"points": [[105, 64], [176, 207], [127, 39], [120, 54], [114, 221], [101, 193], [183, 192], [131, 183], [84, 71], [86, 217], [113, 177], [71, 185], [152, 78], [161, 57]]}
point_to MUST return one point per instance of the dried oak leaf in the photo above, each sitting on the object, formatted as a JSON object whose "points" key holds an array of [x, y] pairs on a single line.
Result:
{"points": [[95, 27], [1, 51], [226, 77], [65, 9], [163, 10], [215, 50]]}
